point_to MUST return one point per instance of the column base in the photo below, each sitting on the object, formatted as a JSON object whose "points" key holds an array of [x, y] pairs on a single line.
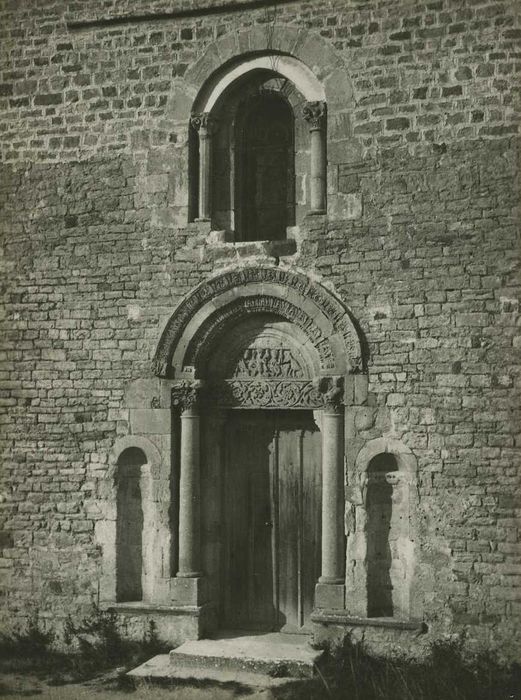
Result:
{"points": [[186, 590], [330, 595]]}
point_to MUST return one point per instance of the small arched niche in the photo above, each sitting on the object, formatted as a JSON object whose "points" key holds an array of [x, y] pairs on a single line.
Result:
{"points": [[381, 530], [129, 525]]}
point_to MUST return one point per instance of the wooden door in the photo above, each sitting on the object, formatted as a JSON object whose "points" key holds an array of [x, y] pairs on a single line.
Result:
{"points": [[272, 496]]}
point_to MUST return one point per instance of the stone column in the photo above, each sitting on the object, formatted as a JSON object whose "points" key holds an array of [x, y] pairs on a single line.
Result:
{"points": [[204, 124], [315, 115], [186, 397], [330, 589]]}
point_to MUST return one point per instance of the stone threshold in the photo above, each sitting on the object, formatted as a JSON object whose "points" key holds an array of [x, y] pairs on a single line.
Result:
{"points": [[140, 608], [340, 617]]}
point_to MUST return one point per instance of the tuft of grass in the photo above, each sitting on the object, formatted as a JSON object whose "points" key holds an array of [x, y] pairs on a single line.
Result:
{"points": [[95, 647], [353, 674]]}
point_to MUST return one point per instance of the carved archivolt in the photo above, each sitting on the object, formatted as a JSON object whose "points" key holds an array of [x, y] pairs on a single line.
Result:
{"points": [[240, 293], [204, 340]]}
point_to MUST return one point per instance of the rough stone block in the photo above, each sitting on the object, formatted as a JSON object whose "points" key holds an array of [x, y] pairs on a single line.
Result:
{"points": [[189, 591], [330, 596], [150, 421]]}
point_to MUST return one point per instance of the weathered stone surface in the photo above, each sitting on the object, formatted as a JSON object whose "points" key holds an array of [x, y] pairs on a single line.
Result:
{"points": [[98, 254]]}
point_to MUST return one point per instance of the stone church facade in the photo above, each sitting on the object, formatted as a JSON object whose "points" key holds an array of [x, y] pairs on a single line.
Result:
{"points": [[260, 359]]}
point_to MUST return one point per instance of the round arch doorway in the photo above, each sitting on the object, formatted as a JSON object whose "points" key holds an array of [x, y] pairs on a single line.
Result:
{"points": [[267, 469], [272, 343]]}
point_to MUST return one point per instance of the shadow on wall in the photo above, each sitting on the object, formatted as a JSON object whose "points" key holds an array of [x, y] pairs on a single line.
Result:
{"points": [[129, 525], [380, 535]]}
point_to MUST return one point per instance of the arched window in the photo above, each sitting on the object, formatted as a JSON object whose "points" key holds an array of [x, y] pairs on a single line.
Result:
{"points": [[129, 525], [257, 148]]}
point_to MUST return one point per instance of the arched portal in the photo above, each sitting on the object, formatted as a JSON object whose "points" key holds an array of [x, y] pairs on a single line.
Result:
{"points": [[260, 359]]}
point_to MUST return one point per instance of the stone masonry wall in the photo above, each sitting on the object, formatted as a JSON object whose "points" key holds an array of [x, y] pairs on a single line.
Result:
{"points": [[427, 261]]}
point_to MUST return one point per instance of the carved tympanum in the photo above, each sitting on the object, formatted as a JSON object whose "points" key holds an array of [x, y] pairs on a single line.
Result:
{"points": [[268, 362]]}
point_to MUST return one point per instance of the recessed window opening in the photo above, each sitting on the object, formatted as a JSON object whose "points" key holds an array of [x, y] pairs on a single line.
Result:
{"points": [[265, 167], [129, 526], [380, 535]]}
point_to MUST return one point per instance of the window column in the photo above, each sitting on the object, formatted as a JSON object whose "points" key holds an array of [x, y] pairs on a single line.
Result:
{"points": [[204, 124], [315, 114]]}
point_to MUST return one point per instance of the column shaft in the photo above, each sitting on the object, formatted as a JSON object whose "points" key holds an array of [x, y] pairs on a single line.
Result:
{"points": [[318, 171], [205, 160], [189, 495], [332, 498], [315, 115]]}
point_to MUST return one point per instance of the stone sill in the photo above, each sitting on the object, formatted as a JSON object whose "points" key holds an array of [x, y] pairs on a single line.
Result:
{"points": [[340, 617], [140, 608], [275, 249]]}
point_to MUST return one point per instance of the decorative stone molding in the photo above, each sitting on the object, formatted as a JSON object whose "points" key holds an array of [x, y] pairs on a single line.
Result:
{"points": [[202, 342], [205, 121], [266, 393], [332, 390], [186, 395], [292, 296], [315, 114]]}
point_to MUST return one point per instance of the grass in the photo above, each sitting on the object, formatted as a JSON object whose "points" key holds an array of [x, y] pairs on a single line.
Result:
{"points": [[348, 673], [95, 647]]}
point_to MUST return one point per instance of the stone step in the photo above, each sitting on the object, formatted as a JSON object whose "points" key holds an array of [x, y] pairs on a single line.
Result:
{"points": [[272, 654], [159, 668]]}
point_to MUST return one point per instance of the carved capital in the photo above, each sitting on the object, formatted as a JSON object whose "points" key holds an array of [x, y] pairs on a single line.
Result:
{"points": [[332, 389], [186, 395], [315, 114], [203, 122]]}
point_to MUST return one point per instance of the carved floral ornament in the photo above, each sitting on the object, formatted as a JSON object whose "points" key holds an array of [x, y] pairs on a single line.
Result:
{"points": [[186, 395], [204, 121], [325, 393], [315, 114]]}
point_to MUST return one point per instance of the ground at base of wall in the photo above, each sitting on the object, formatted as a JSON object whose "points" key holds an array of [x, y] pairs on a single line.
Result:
{"points": [[348, 674], [107, 688]]}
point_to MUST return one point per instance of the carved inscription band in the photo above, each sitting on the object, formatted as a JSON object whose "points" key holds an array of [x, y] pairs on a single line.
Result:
{"points": [[300, 286]]}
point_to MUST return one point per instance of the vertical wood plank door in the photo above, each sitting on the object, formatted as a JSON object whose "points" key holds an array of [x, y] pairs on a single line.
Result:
{"points": [[272, 497]]}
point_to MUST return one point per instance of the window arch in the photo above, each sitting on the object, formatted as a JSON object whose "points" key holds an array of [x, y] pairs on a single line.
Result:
{"points": [[256, 166]]}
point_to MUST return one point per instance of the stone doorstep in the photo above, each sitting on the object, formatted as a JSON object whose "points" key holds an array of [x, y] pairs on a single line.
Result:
{"points": [[253, 659], [160, 668], [271, 653]]}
